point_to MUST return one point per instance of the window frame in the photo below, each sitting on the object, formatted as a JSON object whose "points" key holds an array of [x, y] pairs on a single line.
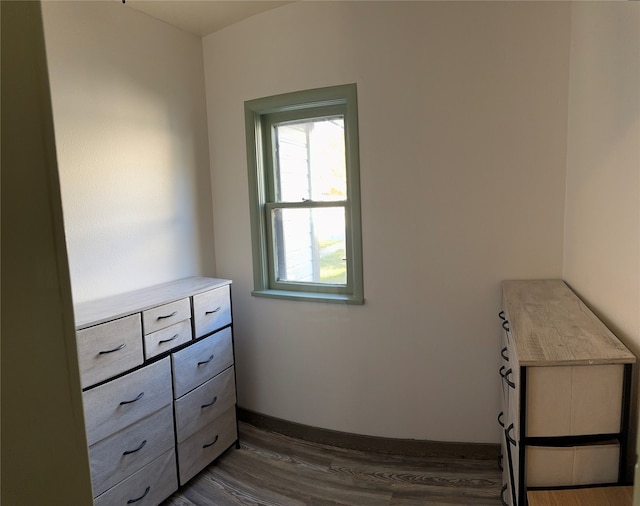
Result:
{"points": [[260, 115]]}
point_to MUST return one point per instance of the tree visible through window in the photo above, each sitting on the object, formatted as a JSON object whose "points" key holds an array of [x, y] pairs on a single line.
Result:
{"points": [[304, 183]]}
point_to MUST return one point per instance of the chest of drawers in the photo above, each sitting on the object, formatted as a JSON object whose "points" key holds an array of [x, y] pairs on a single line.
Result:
{"points": [[565, 388], [158, 377]]}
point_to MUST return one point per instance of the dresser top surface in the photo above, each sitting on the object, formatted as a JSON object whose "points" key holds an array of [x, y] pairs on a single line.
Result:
{"points": [[550, 325], [98, 311]]}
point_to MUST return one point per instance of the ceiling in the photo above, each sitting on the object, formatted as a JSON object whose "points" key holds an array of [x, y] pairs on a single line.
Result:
{"points": [[202, 17]]}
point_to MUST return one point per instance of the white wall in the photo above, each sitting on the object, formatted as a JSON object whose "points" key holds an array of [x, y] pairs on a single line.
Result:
{"points": [[130, 122], [602, 221], [602, 218], [463, 116], [44, 450]]}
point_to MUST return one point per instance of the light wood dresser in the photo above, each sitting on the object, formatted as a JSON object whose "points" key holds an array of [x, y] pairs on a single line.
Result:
{"points": [[565, 382], [159, 393]]}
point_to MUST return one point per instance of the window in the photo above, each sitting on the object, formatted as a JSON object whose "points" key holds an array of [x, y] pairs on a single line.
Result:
{"points": [[304, 192]]}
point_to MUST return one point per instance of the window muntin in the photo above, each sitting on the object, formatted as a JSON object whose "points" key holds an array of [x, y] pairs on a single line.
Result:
{"points": [[304, 188]]}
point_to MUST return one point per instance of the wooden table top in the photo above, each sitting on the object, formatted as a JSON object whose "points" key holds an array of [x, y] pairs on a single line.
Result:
{"points": [[597, 496], [550, 325]]}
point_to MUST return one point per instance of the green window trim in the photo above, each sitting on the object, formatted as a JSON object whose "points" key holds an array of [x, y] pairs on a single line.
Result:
{"points": [[260, 115]]}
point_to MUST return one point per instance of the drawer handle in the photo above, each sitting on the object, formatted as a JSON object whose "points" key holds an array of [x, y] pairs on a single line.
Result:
{"points": [[140, 396], [505, 376], [167, 316], [205, 361], [501, 316], [211, 403], [129, 452], [172, 338], [504, 489], [213, 310], [211, 444], [503, 352], [505, 325], [131, 501], [500, 419], [508, 435], [111, 351]]}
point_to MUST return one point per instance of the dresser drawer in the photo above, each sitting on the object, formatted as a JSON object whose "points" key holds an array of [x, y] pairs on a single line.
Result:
{"points": [[128, 450], [205, 403], [163, 316], [201, 361], [123, 401], [166, 339], [147, 487], [207, 444], [574, 400], [211, 310], [572, 466], [109, 349]]}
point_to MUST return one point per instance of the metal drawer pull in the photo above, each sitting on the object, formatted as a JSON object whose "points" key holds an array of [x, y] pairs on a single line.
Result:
{"points": [[211, 444], [505, 376], [211, 403], [508, 436], [129, 452], [500, 419], [503, 352], [172, 338], [205, 361], [140, 396], [505, 325], [504, 489], [213, 310], [111, 351], [131, 501], [167, 316], [501, 316]]}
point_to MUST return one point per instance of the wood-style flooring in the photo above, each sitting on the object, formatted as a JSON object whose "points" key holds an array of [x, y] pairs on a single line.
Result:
{"points": [[270, 469]]}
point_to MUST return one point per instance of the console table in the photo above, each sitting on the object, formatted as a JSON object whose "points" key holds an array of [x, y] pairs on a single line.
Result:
{"points": [[565, 382]]}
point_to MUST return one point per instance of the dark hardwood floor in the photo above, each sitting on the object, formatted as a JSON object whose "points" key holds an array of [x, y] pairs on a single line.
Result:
{"points": [[275, 470]]}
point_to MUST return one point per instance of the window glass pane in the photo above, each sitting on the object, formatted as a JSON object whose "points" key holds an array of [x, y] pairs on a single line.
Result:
{"points": [[310, 160], [310, 245]]}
